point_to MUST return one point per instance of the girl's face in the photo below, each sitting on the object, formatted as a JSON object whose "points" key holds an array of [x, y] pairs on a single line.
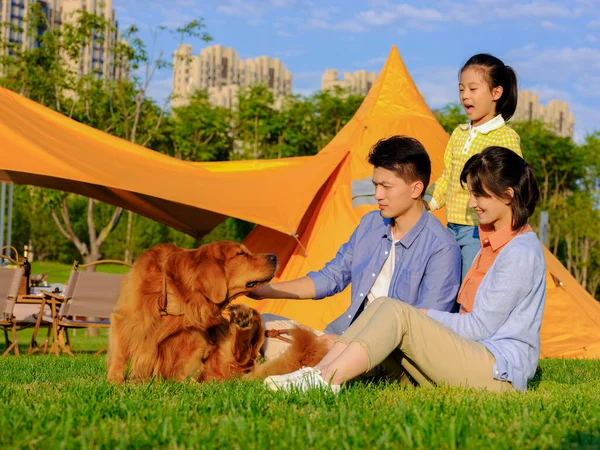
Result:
{"points": [[477, 97], [492, 211]]}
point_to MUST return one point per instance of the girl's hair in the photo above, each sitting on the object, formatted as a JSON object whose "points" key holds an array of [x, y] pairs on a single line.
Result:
{"points": [[494, 171], [496, 74]]}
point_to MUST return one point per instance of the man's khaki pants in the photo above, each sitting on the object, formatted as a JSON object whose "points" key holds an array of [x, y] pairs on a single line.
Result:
{"points": [[428, 351]]}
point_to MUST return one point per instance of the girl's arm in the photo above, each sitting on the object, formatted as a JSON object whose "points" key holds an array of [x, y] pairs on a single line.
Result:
{"points": [[435, 196]]}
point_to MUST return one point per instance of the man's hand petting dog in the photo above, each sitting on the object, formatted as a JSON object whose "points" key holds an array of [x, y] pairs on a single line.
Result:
{"points": [[328, 339]]}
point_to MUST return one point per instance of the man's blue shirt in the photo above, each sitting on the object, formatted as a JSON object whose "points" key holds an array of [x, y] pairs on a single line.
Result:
{"points": [[426, 272]]}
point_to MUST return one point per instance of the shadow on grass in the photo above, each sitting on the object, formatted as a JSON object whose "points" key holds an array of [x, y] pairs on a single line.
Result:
{"points": [[534, 383], [582, 439]]}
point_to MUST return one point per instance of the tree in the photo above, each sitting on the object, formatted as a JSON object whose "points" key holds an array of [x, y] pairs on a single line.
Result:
{"points": [[200, 131], [451, 116], [48, 73], [253, 123], [333, 109], [295, 128]]}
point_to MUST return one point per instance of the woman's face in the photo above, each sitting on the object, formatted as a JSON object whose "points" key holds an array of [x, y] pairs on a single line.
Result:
{"points": [[492, 211]]}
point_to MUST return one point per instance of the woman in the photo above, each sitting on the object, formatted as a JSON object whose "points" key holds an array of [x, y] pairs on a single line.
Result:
{"points": [[494, 343]]}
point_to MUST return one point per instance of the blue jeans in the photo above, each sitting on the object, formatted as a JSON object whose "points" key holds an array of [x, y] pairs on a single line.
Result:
{"points": [[467, 237]]}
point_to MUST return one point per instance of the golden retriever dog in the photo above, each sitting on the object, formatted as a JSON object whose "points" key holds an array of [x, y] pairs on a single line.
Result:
{"points": [[174, 318]]}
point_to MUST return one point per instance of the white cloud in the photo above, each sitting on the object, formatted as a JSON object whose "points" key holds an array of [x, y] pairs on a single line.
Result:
{"points": [[385, 13], [290, 52], [378, 61], [594, 24], [346, 25], [547, 93], [255, 8], [549, 25], [283, 29], [558, 65], [534, 9], [241, 8], [591, 38], [283, 33], [324, 13]]}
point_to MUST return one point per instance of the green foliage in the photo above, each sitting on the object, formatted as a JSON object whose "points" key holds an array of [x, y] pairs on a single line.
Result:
{"points": [[66, 402], [201, 132], [451, 116], [333, 109], [559, 164]]}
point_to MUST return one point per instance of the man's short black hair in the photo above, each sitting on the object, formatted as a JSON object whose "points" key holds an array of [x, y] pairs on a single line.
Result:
{"points": [[403, 155]]}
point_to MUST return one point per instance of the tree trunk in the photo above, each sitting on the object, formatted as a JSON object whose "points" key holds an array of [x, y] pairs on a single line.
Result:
{"points": [[90, 253], [128, 253]]}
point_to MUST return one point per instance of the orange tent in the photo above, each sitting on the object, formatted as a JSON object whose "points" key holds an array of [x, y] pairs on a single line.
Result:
{"points": [[44, 148], [303, 206], [571, 324]]}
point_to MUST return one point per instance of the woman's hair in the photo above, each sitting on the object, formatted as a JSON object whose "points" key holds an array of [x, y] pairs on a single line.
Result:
{"points": [[496, 73], [497, 169]]}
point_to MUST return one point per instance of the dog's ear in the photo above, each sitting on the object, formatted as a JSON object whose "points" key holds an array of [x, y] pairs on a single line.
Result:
{"points": [[212, 281]]}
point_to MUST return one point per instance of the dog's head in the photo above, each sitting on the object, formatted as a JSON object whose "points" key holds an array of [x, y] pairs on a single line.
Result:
{"points": [[211, 276]]}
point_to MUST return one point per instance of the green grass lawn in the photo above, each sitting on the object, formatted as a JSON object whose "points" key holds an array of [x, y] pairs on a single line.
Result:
{"points": [[59, 273], [50, 402]]}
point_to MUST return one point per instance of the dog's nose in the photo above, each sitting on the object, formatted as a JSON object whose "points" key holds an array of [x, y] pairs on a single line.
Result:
{"points": [[272, 258]]}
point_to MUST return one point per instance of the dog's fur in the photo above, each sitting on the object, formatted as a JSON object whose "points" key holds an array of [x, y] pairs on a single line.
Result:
{"points": [[202, 336]]}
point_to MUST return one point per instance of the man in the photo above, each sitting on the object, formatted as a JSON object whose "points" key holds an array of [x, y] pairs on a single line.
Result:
{"points": [[400, 251]]}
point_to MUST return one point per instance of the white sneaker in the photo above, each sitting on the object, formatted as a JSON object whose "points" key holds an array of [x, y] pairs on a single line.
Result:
{"points": [[302, 380]]}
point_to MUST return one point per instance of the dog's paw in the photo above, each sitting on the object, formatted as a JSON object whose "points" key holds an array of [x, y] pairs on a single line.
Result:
{"points": [[241, 315]]}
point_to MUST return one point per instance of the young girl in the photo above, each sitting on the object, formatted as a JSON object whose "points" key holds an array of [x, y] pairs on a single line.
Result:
{"points": [[488, 94], [495, 343]]}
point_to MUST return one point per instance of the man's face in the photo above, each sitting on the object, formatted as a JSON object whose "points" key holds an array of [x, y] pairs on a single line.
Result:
{"points": [[394, 195]]}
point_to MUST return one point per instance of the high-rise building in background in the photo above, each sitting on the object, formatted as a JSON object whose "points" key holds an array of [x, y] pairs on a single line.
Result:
{"points": [[220, 72], [556, 113], [359, 82], [97, 56]]}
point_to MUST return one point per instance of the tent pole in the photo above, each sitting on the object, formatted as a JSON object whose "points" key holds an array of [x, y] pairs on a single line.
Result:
{"points": [[2, 203], [11, 189]]}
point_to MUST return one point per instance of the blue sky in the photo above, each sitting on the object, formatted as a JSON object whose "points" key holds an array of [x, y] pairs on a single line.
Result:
{"points": [[553, 46]]}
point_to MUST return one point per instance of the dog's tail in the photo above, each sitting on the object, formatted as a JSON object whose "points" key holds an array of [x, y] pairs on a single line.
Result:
{"points": [[305, 350]]}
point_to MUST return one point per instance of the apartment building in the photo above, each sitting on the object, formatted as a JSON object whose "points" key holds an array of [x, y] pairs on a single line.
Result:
{"points": [[97, 57], [222, 73], [358, 82], [556, 113]]}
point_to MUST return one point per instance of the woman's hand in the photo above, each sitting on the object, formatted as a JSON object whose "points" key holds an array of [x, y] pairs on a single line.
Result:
{"points": [[424, 310]]}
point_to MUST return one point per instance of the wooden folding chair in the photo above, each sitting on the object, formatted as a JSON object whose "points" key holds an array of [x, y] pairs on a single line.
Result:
{"points": [[10, 280], [90, 295]]}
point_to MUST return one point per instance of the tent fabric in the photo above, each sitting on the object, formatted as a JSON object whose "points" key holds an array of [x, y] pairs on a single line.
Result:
{"points": [[303, 206], [571, 322], [41, 147]]}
